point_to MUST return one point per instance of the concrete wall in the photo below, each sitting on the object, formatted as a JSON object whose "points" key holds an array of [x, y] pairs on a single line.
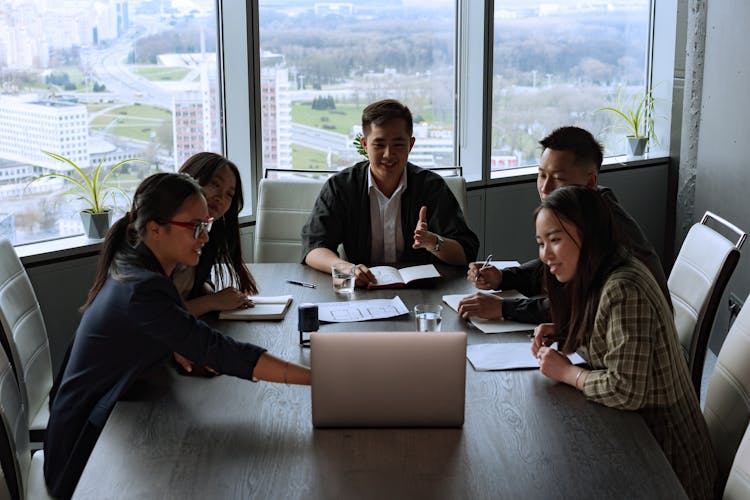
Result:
{"points": [[722, 182]]}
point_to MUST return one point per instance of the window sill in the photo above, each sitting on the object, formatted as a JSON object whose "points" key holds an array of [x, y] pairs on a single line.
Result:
{"points": [[62, 249], [612, 163], [75, 247]]}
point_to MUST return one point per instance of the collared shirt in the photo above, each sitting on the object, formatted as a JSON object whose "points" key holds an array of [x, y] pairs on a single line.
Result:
{"points": [[385, 222]]}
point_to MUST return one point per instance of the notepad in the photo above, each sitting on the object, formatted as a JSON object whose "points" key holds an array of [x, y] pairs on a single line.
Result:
{"points": [[265, 308], [507, 356], [390, 277], [490, 325]]}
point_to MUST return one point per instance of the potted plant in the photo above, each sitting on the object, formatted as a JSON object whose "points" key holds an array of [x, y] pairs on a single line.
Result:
{"points": [[357, 142], [90, 186], [636, 119]]}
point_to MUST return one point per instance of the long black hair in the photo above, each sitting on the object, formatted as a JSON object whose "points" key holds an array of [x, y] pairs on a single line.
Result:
{"points": [[157, 198], [225, 233], [573, 304]]}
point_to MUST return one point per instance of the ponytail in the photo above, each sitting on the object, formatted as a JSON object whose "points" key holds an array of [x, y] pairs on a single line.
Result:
{"points": [[115, 240]]}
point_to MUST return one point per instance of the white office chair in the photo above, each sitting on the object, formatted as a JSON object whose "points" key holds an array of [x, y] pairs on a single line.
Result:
{"points": [[22, 472], [697, 281], [738, 484], [457, 185], [727, 406], [24, 338], [283, 208]]}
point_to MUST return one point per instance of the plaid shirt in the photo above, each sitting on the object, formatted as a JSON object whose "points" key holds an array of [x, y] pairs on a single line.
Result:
{"points": [[638, 365]]}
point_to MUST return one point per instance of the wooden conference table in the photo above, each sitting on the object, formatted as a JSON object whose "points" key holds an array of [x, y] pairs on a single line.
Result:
{"points": [[524, 435]]}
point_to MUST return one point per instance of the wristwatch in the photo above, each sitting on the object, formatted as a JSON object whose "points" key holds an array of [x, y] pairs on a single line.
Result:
{"points": [[440, 241]]}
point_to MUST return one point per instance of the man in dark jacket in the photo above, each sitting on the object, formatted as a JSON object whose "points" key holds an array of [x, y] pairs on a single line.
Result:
{"points": [[386, 210], [571, 155]]}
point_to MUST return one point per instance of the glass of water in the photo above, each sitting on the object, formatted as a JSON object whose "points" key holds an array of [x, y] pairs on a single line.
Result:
{"points": [[428, 317], [343, 277]]}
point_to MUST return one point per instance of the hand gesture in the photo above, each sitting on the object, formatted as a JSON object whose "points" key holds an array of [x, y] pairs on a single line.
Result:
{"points": [[488, 278], [422, 237], [229, 299], [482, 305]]}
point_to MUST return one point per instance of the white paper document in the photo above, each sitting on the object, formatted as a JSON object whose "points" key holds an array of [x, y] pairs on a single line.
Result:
{"points": [[507, 356], [361, 310], [502, 264], [489, 325]]}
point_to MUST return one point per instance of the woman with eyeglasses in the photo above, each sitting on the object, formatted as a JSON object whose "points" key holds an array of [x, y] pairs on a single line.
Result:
{"points": [[607, 305], [134, 318]]}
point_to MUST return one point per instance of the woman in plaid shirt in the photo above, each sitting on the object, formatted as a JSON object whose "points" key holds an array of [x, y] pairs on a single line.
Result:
{"points": [[608, 307]]}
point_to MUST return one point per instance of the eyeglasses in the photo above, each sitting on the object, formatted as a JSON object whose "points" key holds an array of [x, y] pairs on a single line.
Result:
{"points": [[198, 227]]}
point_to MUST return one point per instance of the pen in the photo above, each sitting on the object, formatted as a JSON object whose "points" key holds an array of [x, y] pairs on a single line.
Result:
{"points": [[484, 266], [301, 283]]}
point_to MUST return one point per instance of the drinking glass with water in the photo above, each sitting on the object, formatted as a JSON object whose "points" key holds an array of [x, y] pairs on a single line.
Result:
{"points": [[343, 277], [428, 317]]}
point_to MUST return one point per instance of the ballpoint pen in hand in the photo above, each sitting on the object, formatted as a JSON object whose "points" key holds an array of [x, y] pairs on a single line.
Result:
{"points": [[301, 283], [484, 266]]}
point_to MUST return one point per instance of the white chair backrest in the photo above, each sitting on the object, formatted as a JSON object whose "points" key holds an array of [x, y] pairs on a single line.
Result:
{"points": [[283, 208], [738, 484], [727, 406], [457, 185], [696, 283], [16, 448], [25, 336]]}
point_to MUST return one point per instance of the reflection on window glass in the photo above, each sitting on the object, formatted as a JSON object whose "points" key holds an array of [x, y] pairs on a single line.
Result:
{"points": [[323, 62], [556, 63], [99, 80]]}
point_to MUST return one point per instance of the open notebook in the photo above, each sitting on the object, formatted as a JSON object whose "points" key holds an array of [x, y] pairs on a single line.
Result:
{"points": [[265, 308]]}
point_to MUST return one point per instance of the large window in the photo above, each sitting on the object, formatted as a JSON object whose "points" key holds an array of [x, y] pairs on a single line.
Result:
{"points": [[107, 80], [98, 81], [323, 62], [557, 63]]}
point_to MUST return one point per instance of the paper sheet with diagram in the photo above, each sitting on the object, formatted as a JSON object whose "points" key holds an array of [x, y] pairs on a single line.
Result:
{"points": [[361, 310]]}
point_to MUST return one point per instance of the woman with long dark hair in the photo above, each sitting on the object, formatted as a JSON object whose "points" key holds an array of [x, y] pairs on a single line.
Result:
{"points": [[606, 305], [134, 318], [221, 184]]}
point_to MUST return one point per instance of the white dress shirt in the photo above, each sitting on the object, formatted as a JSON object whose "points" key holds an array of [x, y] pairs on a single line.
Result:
{"points": [[385, 222]]}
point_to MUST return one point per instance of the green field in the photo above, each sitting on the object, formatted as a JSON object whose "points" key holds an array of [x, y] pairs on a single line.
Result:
{"points": [[306, 158], [162, 73], [341, 119], [136, 122]]}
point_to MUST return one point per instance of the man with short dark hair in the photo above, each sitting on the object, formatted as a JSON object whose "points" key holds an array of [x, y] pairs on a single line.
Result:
{"points": [[570, 155], [384, 209]]}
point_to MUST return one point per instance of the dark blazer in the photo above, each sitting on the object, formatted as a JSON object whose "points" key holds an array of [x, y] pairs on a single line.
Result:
{"points": [[136, 321], [342, 215]]}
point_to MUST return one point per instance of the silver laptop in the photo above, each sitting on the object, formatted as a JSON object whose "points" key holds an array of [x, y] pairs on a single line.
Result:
{"points": [[388, 379]]}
